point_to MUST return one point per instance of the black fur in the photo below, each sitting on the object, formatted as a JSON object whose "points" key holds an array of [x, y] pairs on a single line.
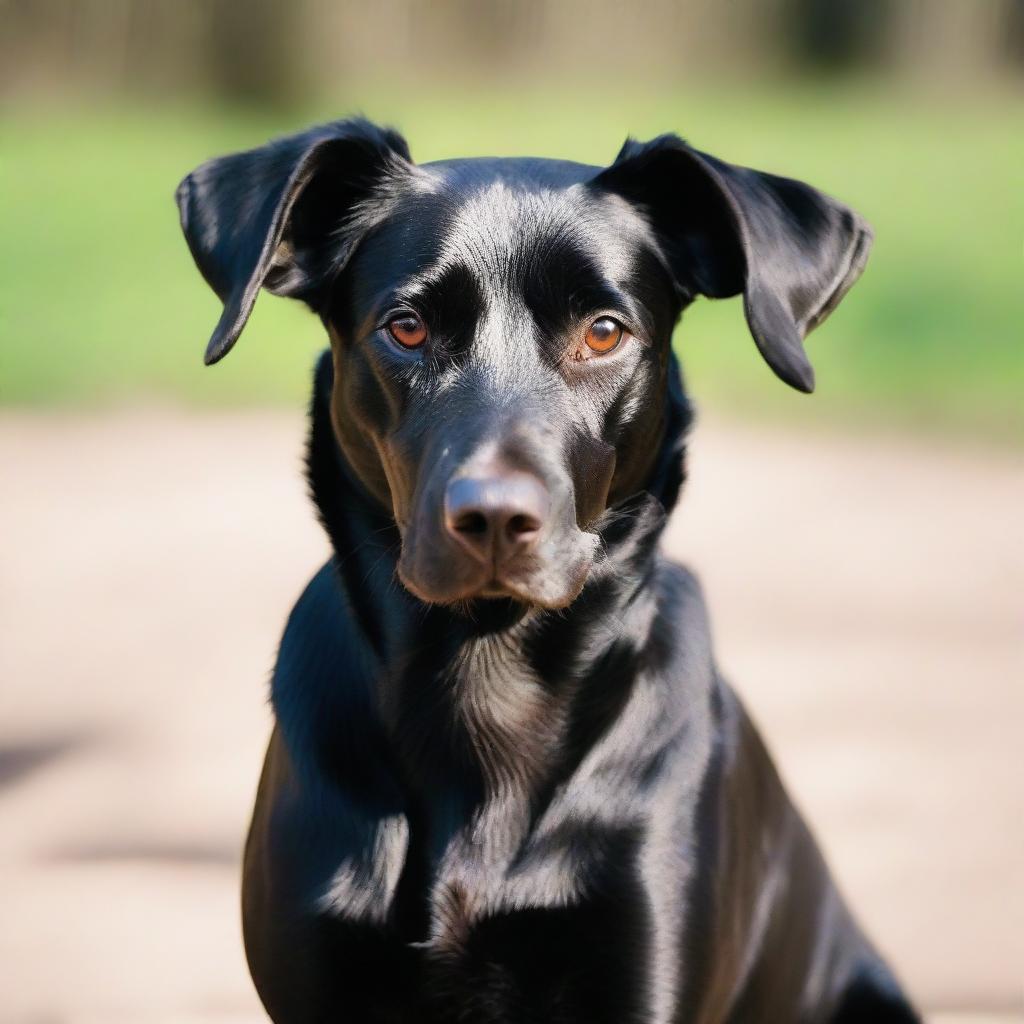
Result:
{"points": [[521, 792]]}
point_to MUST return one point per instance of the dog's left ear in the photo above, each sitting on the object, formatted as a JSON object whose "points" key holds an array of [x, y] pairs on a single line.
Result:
{"points": [[792, 251], [285, 216]]}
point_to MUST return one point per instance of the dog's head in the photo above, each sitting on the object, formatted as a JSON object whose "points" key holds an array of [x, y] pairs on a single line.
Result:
{"points": [[501, 328]]}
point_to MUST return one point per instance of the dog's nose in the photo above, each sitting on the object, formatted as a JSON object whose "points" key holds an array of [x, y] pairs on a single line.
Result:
{"points": [[495, 518]]}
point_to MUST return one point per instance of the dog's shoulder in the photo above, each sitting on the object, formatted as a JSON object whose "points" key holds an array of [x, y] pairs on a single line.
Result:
{"points": [[680, 597], [317, 632], [324, 669], [680, 579]]}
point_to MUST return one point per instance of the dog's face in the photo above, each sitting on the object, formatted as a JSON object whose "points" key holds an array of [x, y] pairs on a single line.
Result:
{"points": [[501, 328], [500, 345]]}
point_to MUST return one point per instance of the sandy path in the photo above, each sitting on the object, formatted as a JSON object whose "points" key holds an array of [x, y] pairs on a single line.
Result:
{"points": [[868, 600]]}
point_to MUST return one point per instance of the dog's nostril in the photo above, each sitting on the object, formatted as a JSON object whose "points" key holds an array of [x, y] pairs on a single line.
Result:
{"points": [[521, 526], [471, 523], [497, 516]]}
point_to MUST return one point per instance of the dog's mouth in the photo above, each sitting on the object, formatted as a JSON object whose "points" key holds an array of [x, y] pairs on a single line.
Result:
{"points": [[506, 589], [495, 588], [437, 574]]}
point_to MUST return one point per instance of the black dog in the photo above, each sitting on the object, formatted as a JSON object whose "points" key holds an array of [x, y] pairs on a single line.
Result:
{"points": [[512, 787]]}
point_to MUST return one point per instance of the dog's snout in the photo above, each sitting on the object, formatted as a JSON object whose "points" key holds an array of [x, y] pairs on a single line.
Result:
{"points": [[495, 518]]}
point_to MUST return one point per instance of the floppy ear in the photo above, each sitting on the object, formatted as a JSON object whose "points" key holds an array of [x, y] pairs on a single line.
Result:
{"points": [[792, 251], [285, 216]]}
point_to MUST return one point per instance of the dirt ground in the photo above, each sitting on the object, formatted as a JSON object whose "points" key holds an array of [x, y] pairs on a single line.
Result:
{"points": [[868, 601]]}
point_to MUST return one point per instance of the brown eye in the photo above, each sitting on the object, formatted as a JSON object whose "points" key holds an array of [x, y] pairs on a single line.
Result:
{"points": [[408, 330], [604, 334]]}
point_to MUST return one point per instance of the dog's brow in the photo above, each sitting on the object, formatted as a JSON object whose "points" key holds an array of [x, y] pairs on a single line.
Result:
{"points": [[409, 290], [445, 289]]}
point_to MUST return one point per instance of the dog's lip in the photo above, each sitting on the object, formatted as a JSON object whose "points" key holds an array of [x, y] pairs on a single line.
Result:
{"points": [[491, 588], [508, 588], [552, 583], [496, 588]]}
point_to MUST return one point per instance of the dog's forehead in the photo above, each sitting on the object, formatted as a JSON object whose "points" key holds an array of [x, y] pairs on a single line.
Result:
{"points": [[499, 217], [499, 222], [505, 230]]}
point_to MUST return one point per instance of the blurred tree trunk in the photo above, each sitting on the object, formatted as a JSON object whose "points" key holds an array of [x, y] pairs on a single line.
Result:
{"points": [[254, 50], [838, 35], [279, 52], [957, 38], [1013, 47]]}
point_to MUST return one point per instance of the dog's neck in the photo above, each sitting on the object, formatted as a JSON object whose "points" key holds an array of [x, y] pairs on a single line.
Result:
{"points": [[478, 700]]}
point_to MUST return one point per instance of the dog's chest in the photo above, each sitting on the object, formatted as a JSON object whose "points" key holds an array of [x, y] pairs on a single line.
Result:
{"points": [[552, 928], [492, 865], [510, 913]]}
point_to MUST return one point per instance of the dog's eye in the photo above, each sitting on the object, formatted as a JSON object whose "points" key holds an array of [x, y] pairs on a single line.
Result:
{"points": [[604, 334], [408, 330]]}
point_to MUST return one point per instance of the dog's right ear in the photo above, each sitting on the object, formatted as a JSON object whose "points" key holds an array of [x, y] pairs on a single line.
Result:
{"points": [[792, 251], [286, 216]]}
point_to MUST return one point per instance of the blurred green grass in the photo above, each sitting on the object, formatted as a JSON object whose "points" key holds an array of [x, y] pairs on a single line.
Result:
{"points": [[100, 303]]}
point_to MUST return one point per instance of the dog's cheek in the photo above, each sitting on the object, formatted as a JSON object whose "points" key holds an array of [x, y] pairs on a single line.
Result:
{"points": [[359, 451], [421, 565], [368, 417], [417, 469], [593, 461], [637, 440], [565, 569], [428, 570]]}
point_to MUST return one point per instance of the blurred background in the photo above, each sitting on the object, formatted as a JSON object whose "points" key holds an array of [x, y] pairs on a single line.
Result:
{"points": [[861, 549]]}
